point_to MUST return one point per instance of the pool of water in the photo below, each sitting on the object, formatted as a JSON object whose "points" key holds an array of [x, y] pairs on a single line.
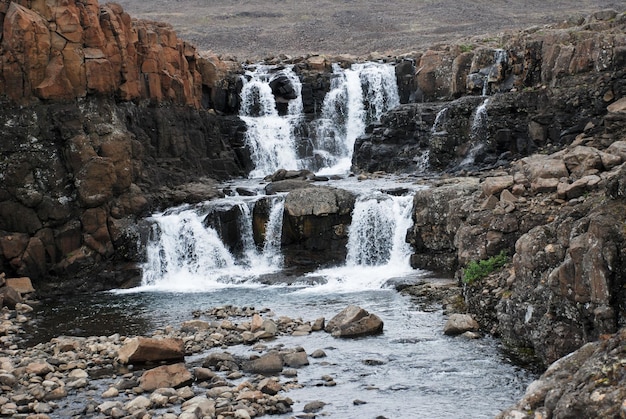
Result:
{"points": [[411, 370]]}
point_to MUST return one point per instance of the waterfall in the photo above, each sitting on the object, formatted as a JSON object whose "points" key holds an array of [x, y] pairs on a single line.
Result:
{"points": [[479, 123], [358, 96], [270, 136], [478, 133], [377, 247], [378, 230], [185, 254], [440, 120], [496, 71], [182, 250], [273, 233]]}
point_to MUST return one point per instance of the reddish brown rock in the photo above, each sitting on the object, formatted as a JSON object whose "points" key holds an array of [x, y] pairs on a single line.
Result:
{"points": [[63, 50], [166, 376], [13, 245], [9, 297], [22, 285], [434, 75], [55, 85], [27, 37], [141, 349], [95, 182]]}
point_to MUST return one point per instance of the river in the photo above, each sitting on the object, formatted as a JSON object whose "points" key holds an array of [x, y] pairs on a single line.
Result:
{"points": [[410, 370]]}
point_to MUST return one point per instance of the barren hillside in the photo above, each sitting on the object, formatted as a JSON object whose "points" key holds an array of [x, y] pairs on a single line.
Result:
{"points": [[251, 29]]}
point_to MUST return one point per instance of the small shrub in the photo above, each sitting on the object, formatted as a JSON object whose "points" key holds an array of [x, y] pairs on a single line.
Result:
{"points": [[466, 47], [476, 270]]}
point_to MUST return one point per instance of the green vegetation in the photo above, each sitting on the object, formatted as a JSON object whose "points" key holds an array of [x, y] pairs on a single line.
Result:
{"points": [[476, 270], [466, 47]]}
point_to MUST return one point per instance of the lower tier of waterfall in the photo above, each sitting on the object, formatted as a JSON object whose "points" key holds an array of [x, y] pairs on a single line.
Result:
{"points": [[187, 248]]}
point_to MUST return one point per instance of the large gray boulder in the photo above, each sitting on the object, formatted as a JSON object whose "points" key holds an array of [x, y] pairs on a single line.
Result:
{"points": [[354, 321]]}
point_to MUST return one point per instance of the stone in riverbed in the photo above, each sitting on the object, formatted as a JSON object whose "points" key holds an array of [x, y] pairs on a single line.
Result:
{"points": [[313, 407], [354, 321], [143, 349], [39, 368], [460, 323], [269, 386], [267, 364], [296, 359], [23, 285], [9, 297], [176, 375], [138, 403], [200, 403]]}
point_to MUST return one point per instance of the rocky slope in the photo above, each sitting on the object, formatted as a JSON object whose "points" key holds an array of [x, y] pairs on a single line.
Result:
{"points": [[254, 30]]}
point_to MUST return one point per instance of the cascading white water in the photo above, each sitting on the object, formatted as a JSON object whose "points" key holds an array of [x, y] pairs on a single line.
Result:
{"points": [[440, 120], [358, 96], [182, 250], [273, 232], [184, 254], [378, 230], [479, 123], [270, 136], [478, 133], [377, 247]]}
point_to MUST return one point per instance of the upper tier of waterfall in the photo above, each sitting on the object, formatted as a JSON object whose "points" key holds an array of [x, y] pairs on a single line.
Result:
{"points": [[271, 107]]}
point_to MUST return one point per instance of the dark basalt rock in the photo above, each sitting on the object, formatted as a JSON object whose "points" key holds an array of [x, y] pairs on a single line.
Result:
{"points": [[90, 170]]}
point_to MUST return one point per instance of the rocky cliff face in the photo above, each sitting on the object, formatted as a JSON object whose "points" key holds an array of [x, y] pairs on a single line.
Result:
{"points": [[103, 119], [561, 218], [77, 175], [539, 87], [62, 50]]}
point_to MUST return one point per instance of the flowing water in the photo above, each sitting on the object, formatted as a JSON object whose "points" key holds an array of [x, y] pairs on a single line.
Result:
{"points": [[411, 370]]}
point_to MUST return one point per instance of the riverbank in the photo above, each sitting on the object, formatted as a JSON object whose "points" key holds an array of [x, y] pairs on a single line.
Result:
{"points": [[303, 368]]}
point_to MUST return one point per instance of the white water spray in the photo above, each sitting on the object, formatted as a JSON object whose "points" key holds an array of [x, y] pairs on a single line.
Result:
{"points": [[478, 133], [440, 120], [377, 248], [183, 251], [273, 233], [358, 96], [270, 136], [184, 254]]}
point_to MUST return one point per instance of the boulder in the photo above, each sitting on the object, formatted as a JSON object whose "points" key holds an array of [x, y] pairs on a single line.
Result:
{"points": [[581, 160], [320, 201], [354, 321], [287, 185], [495, 185], [270, 363], [618, 148], [460, 323], [269, 386], [142, 349], [541, 167], [175, 375], [200, 404], [296, 359], [583, 384], [22, 285], [9, 297]]}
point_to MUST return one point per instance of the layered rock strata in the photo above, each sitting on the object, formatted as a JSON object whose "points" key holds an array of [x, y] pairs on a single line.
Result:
{"points": [[539, 87]]}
